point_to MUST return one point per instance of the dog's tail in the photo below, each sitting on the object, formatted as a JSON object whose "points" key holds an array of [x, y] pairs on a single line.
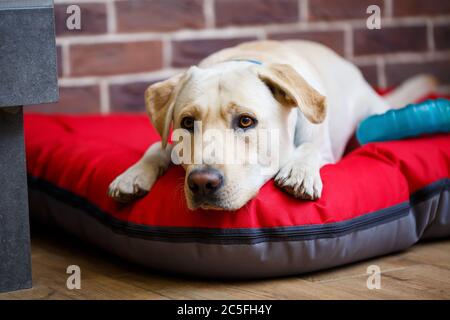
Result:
{"points": [[411, 90]]}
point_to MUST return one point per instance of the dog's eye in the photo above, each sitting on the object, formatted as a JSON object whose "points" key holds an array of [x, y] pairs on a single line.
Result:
{"points": [[246, 122], [187, 123]]}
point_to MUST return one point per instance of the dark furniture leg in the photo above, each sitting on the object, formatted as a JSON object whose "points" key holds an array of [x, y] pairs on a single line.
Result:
{"points": [[27, 76], [15, 264]]}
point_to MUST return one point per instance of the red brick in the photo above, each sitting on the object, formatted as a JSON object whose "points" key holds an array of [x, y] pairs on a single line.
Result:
{"points": [[396, 73], [390, 40], [252, 12], [341, 9], [421, 7], [159, 15], [370, 73], [332, 39], [93, 19], [115, 58], [128, 97], [189, 52], [85, 99], [442, 37]]}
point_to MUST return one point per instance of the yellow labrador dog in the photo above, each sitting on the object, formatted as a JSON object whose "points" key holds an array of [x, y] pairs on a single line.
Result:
{"points": [[308, 94]]}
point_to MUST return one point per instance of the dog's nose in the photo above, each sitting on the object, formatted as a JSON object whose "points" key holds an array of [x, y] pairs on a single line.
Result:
{"points": [[205, 182]]}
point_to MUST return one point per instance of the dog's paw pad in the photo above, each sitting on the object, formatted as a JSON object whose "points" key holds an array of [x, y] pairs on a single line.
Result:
{"points": [[300, 180]]}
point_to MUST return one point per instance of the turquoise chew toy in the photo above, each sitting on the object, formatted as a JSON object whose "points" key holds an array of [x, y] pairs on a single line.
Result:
{"points": [[431, 116]]}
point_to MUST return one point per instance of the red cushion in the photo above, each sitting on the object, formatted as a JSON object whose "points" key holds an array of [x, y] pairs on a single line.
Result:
{"points": [[83, 154]]}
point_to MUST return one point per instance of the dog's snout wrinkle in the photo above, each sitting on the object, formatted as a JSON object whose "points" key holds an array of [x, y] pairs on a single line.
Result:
{"points": [[205, 182]]}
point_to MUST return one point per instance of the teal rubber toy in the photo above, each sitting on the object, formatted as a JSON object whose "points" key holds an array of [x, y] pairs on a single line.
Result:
{"points": [[431, 116]]}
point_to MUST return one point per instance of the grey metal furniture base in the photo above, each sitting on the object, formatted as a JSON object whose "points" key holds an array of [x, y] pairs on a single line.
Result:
{"points": [[15, 265], [27, 76]]}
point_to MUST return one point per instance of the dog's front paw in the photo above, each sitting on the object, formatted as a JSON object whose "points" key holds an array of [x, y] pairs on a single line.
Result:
{"points": [[300, 180], [132, 184]]}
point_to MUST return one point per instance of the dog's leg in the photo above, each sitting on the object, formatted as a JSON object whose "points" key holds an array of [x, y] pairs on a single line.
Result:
{"points": [[137, 180], [300, 176]]}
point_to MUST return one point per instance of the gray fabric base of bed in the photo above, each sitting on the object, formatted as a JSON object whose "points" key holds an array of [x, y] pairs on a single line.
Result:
{"points": [[425, 216]]}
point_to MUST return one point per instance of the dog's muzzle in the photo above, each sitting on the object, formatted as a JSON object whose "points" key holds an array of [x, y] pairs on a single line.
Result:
{"points": [[204, 184]]}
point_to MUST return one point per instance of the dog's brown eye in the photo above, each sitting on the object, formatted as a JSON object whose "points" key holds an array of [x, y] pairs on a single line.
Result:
{"points": [[187, 123], [246, 122]]}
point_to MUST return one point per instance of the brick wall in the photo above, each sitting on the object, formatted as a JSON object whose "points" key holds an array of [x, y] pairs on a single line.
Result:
{"points": [[126, 44]]}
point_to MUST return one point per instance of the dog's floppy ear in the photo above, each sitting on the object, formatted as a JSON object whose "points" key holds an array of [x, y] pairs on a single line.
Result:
{"points": [[160, 101], [290, 89]]}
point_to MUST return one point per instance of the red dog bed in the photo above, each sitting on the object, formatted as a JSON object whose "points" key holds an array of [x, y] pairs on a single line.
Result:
{"points": [[380, 198]]}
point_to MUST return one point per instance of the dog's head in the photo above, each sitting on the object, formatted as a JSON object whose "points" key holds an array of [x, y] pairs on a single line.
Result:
{"points": [[234, 126]]}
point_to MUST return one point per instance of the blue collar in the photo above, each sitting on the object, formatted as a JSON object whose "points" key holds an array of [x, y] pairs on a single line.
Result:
{"points": [[248, 60]]}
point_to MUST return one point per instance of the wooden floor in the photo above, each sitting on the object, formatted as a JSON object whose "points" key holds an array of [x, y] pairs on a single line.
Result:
{"points": [[422, 272]]}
